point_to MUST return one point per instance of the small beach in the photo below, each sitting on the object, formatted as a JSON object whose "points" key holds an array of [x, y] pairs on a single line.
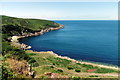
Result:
{"points": [[15, 41]]}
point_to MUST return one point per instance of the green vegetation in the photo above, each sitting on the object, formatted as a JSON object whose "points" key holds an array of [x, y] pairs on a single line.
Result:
{"points": [[77, 70], [12, 26], [49, 63], [70, 68], [7, 73], [75, 78], [31, 24], [93, 76], [59, 71], [40, 62]]}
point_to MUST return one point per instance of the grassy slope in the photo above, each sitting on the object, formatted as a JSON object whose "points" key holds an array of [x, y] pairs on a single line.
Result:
{"points": [[16, 26], [49, 63], [34, 24], [43, 62]]}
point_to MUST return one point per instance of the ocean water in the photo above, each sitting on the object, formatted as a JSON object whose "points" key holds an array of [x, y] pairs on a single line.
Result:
{"points": [[89, 40]]}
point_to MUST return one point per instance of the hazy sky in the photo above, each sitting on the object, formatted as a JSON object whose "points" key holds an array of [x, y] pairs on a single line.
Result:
{"points": [[61, 10]]}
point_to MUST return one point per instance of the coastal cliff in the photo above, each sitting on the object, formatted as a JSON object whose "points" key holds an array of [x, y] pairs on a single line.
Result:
{"points": [[41, 32], [15, 39], [21, 63], [13, 29], [16, 28]]}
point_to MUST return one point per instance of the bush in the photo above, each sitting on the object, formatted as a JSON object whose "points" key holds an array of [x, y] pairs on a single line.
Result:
{"points": [[7, 56], [75, 78], [70, 68], [35, 64], [59, 71], [31, 61], [93, 76], [77, 70], [51, 66], [78, 63]]}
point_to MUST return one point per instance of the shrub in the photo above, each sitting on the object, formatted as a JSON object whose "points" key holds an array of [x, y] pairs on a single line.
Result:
{"points": [[70, 68], [53, 63], [51, 66], [78, 63], [7, 56], [35, 64], [59, 71], [77, 70], [75, 78], [93, 76], [31, 61]]}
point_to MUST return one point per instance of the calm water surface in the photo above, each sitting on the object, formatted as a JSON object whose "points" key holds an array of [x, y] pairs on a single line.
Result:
{"points": [[82, 40]]}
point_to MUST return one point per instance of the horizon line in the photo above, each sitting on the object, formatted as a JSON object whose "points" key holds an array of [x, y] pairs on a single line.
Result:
{"points": [[56, 19]]}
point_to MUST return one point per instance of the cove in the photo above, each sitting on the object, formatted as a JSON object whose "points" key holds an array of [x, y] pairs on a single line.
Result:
{"points": [[89, 40]]}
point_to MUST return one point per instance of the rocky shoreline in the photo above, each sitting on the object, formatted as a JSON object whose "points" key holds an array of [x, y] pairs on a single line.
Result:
{"points": [[76, 61], [15, 39], [41, 32]]}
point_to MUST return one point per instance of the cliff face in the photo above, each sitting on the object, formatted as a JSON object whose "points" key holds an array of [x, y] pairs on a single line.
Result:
{"points": [[16, 28], [27, 27], [41, 31]]}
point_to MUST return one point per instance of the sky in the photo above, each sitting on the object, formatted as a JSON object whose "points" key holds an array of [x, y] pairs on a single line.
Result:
{"points": [[61, 10]]}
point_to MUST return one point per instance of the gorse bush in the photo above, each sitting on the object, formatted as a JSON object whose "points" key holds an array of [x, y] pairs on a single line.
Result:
{"points": [[70, 68], [77, 70], [59, 71], [35, 64], [32, 60], [93, 76], [75, 78], [78, 63]]}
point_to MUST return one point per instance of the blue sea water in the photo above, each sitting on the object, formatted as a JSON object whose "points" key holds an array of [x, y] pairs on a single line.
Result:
{"points": [[89, 40]]}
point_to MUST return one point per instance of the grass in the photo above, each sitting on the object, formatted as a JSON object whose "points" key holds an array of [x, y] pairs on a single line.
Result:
{"points": [[49, 63], [40, 62], [12, 26], [33, 24]]}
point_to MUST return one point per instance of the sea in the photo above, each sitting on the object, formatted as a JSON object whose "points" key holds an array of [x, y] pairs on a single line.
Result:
{"points": [[86, 40]]}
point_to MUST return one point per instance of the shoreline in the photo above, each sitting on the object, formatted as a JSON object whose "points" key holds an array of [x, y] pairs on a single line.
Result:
{"points": [[76, 61], [15, 39]]}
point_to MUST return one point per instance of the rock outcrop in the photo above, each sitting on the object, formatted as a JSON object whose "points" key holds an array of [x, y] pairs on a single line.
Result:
{"points": [[41, 32], [23, 46]]}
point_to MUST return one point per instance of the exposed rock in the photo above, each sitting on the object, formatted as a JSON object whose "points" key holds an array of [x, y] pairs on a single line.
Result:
{"points": [[41, 32], [24, 46], [21, 67]]}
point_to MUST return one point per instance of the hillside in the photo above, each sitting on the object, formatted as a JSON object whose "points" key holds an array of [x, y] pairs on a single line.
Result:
{"points": [[12, 26], [33, 24], [18, 26], [21, 63]]}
